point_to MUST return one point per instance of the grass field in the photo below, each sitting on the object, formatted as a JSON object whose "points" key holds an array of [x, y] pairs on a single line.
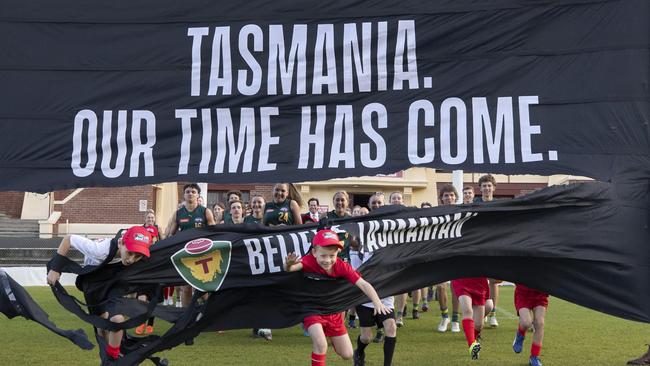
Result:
{"points": [[574, 336]]}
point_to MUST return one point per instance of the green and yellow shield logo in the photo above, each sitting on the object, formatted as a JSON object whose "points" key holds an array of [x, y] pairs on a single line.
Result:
{"points": [[203, 263]]}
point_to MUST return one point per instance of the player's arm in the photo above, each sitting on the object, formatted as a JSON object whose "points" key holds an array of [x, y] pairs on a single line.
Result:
{"points": [[372, 295], [63, 249], [295, 210], [292, 263], [209, 217]]}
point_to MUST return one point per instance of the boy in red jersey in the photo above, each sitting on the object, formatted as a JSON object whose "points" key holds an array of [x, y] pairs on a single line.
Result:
{"points": [[529, 300], [323, 259], [471, 292]]}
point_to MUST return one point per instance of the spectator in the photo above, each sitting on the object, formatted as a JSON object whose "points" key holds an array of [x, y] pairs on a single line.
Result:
{"points": [[312, 215], [285, 207], [257, 210]]}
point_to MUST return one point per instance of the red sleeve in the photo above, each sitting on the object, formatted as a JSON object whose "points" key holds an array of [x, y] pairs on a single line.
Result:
{"points": [[309, 263], [344, 269]]}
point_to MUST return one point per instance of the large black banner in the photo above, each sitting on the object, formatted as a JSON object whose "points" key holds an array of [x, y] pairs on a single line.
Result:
{"points": [[583, 243], [108, 94]]}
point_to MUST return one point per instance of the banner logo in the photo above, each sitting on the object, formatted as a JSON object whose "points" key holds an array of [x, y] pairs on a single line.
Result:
{"points": [[203, 263]]}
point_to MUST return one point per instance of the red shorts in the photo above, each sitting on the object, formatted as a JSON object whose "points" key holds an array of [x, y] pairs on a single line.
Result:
{"points": [[529, 298], [476, 288], [333, 325]]}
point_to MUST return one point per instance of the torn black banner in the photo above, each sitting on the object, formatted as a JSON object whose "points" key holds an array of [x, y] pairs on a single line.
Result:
{"points": [[15, 301], [583, 243]]}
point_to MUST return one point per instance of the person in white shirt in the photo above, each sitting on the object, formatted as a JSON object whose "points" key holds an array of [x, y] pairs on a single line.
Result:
{"points": [[313, 214], [131, 247]]}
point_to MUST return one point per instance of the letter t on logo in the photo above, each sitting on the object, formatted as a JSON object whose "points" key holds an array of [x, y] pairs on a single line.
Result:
{"points": [[204, 264]]}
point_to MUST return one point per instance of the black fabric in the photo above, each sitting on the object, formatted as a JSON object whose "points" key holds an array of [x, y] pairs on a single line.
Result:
{"points": [[563, 84], [15, 301], [575, 69], [111, 305], [58, 263], [368, 319], [584, 243]]}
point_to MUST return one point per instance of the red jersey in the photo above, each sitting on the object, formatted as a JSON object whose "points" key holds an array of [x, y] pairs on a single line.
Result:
{"points": [[155, 234], [529, 298], [474, 283], [476, 288], [339, 269], [529, 292]]}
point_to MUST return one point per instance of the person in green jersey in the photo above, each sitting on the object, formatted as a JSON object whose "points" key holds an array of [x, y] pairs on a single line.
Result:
{"points": [[257, 210], [231, 196], [236, 209], [189, 216], [341, 201], [285, 207]]}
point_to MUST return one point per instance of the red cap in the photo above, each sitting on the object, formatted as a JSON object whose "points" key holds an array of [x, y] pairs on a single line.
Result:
{"points": [[137, 239], [326, 238]]}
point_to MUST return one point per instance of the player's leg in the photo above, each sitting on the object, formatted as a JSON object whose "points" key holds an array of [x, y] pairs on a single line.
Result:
{"points": [[425, 299], [536, 348], [525, 322], [478, 313], [390, 341], [400, 301], [319, 344], [467, 313], [494, 296], [366, 322], [342, 346], [441, 289], [416, 296], [455, 323], [186, 295], [114, 338]]}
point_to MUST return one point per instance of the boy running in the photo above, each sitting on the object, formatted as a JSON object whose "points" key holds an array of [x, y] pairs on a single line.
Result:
{"points": [[471, 292], [131, 247], [324, 260], [487, 184], [529, 300], [447, 196]]}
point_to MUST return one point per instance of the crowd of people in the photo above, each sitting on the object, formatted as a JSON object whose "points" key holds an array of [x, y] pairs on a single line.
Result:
{"points": [[473, 300]]}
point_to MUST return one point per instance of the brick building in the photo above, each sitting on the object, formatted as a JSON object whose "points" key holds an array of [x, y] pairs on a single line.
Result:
{"points": [[102, 211]]}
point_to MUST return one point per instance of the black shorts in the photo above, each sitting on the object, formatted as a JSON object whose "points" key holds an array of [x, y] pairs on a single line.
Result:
{"points": [[368, 319]]}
